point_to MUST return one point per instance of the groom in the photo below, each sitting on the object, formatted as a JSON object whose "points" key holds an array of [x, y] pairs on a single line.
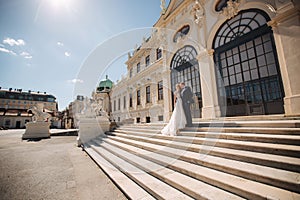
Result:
{"points": [[187, 100]]}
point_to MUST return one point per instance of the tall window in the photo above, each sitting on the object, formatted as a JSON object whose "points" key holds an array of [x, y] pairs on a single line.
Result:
{"points": [[115, 105], [148, 94], [138, 67], [7, 122], [246, 58], [160, 90], [124, 102], [138, 97], [185, 68], [158, 53], [130, 100], [119, 104], [130, 73], [147, 60]]}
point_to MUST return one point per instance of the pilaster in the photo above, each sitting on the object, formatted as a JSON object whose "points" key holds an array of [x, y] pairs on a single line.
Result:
{"points": [[286, 28], [211, 108], [167, 94]]}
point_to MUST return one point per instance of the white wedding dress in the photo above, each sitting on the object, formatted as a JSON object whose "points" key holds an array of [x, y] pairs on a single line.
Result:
{"points": [[178, 120]]}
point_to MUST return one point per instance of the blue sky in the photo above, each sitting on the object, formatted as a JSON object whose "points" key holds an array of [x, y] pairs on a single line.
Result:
{"points": [[43, 43]]}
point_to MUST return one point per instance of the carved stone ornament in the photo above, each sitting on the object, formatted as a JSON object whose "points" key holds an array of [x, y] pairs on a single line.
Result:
{"points": [[199, 12], [231, 9], [162, 38], [163, 6]]}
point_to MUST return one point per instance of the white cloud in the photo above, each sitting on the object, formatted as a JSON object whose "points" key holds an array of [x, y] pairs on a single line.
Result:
{"points": [[26, 55], [7, 51], [13, 42], [67, 54], [75, 81], [60, 44], [1, 45]]}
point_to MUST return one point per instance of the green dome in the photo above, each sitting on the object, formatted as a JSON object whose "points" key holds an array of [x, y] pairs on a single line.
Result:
{"points": [[105, 84]]}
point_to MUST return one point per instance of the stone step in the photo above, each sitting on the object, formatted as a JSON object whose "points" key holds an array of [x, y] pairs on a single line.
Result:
{"points": [[253, 118], [257, 130], [275, 177], [128, 186], [225, 123], [267, 138], [269, 160], [251, 137], [254, 130], [154, 186], [191, 186], [277, 149], [260, 123]]}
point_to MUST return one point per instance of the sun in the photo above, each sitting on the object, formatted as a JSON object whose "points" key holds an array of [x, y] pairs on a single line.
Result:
{"points": [[59, 4]]}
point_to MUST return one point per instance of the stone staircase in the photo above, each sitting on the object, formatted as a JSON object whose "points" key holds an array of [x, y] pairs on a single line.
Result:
{"points": [[212, 160]]}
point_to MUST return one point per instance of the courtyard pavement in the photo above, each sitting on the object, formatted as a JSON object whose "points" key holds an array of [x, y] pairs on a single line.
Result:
{"points": [[50, 169]]}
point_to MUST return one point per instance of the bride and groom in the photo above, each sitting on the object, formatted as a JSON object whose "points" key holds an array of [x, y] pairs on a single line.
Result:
{"points": [[181, 116]]}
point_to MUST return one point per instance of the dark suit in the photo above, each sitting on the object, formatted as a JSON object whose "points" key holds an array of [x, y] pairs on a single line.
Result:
{"points": [[187, 99]]}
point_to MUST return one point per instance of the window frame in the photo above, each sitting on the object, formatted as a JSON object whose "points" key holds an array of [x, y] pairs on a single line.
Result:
{"points": [[160, 91], [130, 101], [147, 60], [158, 53], [138, 97], [138, 67], [148, 94]]}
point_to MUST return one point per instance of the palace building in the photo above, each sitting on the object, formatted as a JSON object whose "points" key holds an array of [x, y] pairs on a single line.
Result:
{"points": [[240, 57], [14, 105]]}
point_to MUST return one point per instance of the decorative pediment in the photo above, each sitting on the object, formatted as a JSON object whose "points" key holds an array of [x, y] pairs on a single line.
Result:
{"points": [[175, 4], [167, 10]]}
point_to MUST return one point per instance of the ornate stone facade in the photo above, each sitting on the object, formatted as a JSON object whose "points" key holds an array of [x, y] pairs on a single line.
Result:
{"points": [[244, 68]]}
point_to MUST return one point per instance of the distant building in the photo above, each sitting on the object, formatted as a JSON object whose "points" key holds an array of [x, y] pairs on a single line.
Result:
{"points": [[102, 95], [69, 114], [14, 105]]}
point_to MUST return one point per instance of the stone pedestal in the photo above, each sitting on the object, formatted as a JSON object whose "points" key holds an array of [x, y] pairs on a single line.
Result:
{"points": [[90, 128], [37, 130]]}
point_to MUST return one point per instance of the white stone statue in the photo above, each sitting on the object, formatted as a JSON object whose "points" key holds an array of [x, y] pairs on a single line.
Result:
{"points": [[38, 128], [38, 114], [92, 122]]}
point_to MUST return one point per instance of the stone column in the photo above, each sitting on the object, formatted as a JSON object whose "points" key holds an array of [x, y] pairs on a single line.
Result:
{"points": [[286, 28], [167, 94], [210, 104]]}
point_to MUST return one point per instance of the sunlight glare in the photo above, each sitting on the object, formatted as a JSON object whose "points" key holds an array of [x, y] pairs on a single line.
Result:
{"points": [[58, 4]]}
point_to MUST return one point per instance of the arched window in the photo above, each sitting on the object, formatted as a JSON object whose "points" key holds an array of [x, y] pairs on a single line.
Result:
{"points": [[239, 26], [184, 57], [185, 68], [246, 59]]}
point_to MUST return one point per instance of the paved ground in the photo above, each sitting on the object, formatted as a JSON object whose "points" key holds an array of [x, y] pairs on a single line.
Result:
{"points": [[50, 169]]}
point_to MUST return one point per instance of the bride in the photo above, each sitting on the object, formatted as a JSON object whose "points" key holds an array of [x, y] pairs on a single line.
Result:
{"points": [[178, 120]]}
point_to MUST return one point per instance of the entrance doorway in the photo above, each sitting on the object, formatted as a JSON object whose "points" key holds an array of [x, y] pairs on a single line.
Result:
{"points": [[18, 124], [185, 68], [148, 120]]}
